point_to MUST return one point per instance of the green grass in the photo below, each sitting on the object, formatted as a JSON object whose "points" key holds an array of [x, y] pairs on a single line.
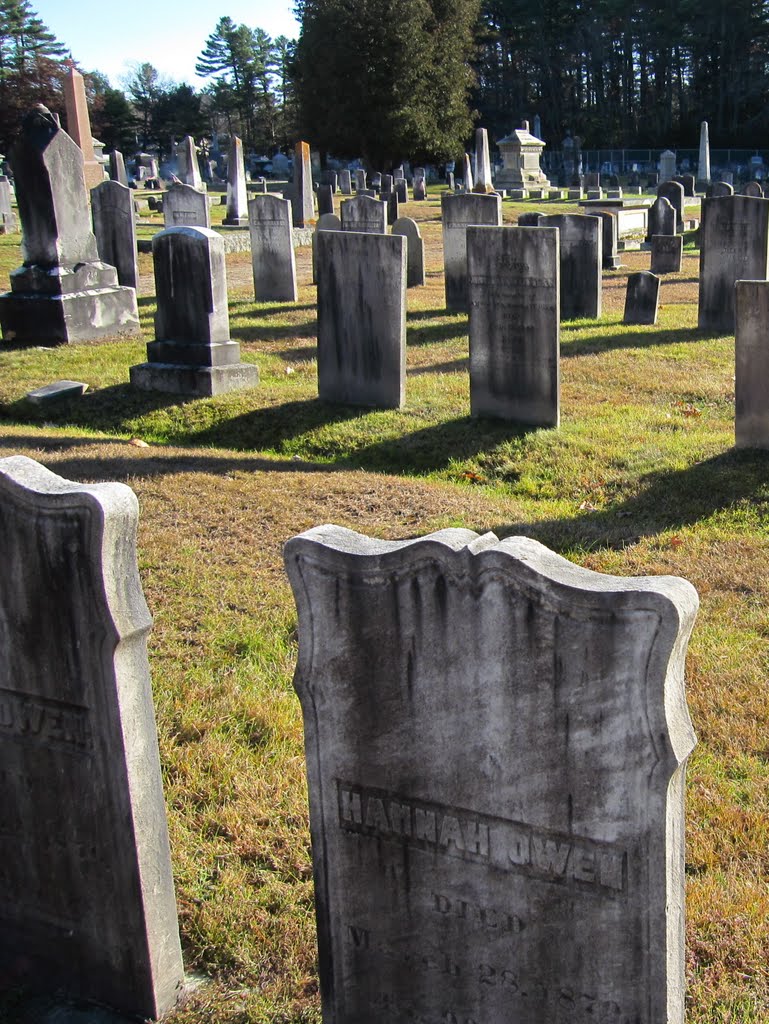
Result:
{"points": [[641, 478]]}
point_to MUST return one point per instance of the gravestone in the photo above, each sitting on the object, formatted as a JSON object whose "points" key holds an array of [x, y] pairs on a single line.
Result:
{"points": [[302, 205], [345, 183], [419, 190], [667, 166], [63, 293], [661, 219], [8, 219], [720, 188], [364, 213], [362, 318], [642, 298], [450, 181], [401, 190], [185, 206], [483, 182], [360, 180], [530, 219], [703, 166], [415, 250], [330, 178], [513, 283], [88, 900], [79, 126], [192, 353], [734, 246], [188, 168], [521, 152], [667, 254], [326, 222], [751, 365], [581, 258], [591, 180], [325, 199], [496, 798], [385, 185], [457, 212], [237, 193], [398, 172], [610, 239], [117, 171], [686, 181], [753, 188], [467, 171], [673, 191], [393, 207], [114, 225], [376, 181], [272, 249]]}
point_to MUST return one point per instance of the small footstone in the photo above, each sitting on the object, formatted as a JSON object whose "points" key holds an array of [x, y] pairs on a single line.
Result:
{"points": [[59, 391]]}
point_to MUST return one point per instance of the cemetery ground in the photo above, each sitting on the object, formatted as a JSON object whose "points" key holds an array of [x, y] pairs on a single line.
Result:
{"points": [[641, 478]]}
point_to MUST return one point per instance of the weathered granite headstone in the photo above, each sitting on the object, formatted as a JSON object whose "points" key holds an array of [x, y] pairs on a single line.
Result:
{"points": [[419, 190], [581, 258], [272, 249], [193, 353], [188, 170], [667, 253], [114, 225], [363, 213], [401, 190], [734, 246], [610, 249], [79, 125], [385, 185], [753, 188], [237, 193], [467, 172], [667, 166], [330, 178], [185, 206], [393, 207], [326, 222], [661, 219], [496, 798], [88, 900], [415, 250], [376, 180], [530, 219], [703, 166], [457, 212], [720, 188], [687, 183], [117, 171], [8, 220], [325, 196], [360, 181], [592, 180], [642, 298], [483, 182], [302, 205], [673, 191], [513, 283], [398, 172], [345, 183], [362, 318], [751, 365], [63, 293]]}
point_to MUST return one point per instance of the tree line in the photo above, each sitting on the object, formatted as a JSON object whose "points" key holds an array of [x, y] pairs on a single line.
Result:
{"points": [[389, 80]]}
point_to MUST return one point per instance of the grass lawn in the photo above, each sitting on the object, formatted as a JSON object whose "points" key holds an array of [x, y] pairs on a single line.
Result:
{"points": [[641, 478]]}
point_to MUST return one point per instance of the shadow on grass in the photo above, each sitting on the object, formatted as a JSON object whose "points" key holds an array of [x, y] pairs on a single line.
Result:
{"points": [[436, 334], [105, 409], [651, 337], [453, 366], [669, 500], [260, 332], [257, 310]]}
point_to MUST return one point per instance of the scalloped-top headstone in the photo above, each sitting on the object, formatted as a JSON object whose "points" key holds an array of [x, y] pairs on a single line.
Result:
{"points": [[87, 898], [496, 741]]}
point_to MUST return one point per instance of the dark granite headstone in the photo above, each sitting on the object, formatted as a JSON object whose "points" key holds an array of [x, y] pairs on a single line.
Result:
{"points": [[610, 239], [642, 298], [325, 196], [719, 188], [326, 222], [751, 365], [496, 743], [364, 213], [114, 225], [87, 900], [272, 249], [673, 191], [415, 250], [753, 188], [581, 251], [345, 183], [661, 219], [667, 253], [457, 212]]}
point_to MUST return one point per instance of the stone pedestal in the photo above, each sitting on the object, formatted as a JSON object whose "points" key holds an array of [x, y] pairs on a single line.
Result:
{"points": [[520, 156]]}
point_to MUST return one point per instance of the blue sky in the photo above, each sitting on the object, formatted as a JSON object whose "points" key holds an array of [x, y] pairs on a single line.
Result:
{"points": [[108, 37]]}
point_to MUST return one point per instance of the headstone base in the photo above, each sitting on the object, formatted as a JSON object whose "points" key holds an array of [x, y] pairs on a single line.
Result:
{"points": [[197, 381], [30, 318], [235, 222]]}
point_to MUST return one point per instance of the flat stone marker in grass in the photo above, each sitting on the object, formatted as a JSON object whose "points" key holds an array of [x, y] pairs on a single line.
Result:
{"points": [[114, 225], [661, 219], [87, 899], [734, 246], [457, 212], [272, 249], [361, 318], [364, 214], [415, 250], [185, 206], [513, 276], [751, 370], [642, 298], [193, 353], [57, 392], [496, 741], [667, 254], [581, 251]]}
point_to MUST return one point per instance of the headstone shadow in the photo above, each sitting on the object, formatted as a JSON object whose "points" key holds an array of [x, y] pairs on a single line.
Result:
{"points": [[650, 338]]}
